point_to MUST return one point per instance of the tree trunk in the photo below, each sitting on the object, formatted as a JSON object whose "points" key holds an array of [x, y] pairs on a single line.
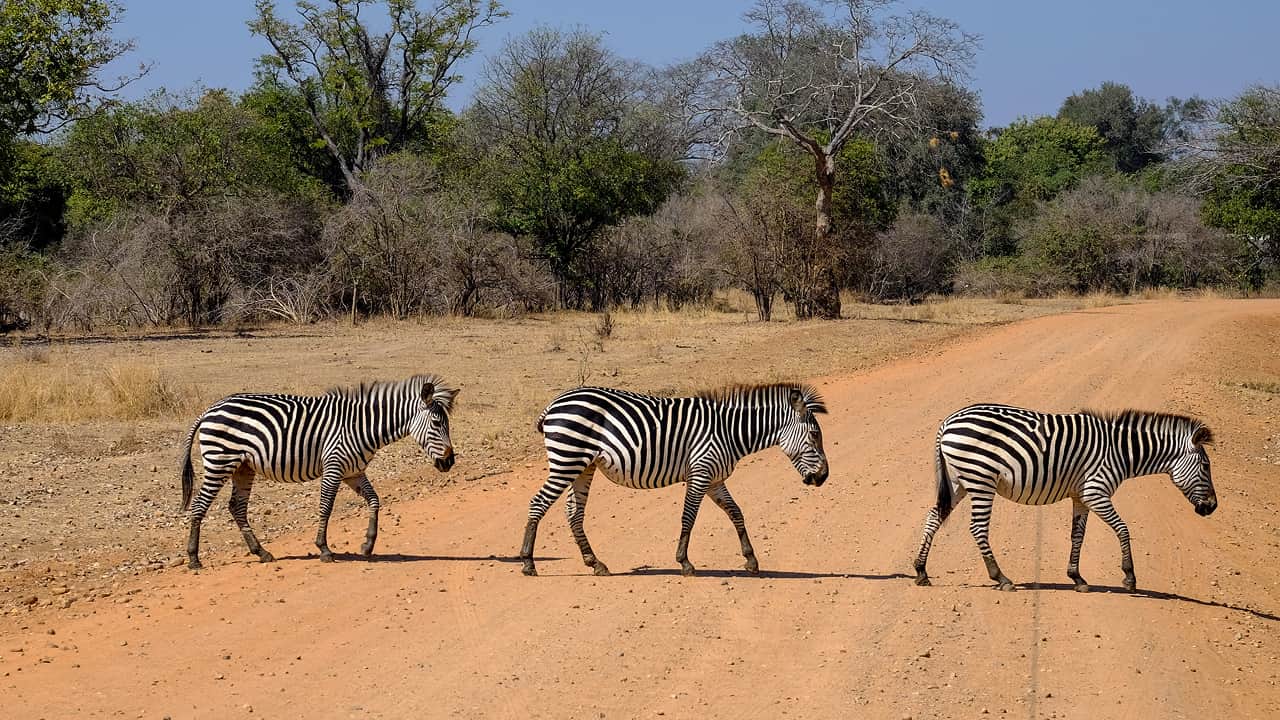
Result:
{"points": [[825, 300]]}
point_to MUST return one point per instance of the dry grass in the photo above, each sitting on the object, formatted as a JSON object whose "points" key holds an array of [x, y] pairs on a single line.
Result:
{"points": [[1266, 386], [45, 386]]}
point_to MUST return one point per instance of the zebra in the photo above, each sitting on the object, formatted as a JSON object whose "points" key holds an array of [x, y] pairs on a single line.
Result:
{"points": [[295, 438], [1036, 459], [642, 441]]}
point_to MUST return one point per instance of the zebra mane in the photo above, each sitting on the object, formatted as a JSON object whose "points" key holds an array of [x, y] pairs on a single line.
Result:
{"points": [[1195, 429], [443, 394], [737, 394]]}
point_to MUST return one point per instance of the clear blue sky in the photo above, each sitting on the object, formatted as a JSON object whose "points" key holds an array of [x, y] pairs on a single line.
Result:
{"points": [[1034, 53]]}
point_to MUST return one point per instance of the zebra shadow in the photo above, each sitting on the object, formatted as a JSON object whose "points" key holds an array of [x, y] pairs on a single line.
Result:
{"points": [[649, 570], [1154, 595], [406, 557]]}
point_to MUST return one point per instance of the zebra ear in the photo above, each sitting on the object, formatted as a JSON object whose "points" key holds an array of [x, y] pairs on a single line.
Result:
{"points": [[447, 397], [797, 401], [428, 393], [1202, 436]]}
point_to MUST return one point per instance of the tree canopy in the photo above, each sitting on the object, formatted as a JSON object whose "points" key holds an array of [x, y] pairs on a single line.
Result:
{"points": [[567, 143], [1133, 129], [371, 93], [51, 53]]}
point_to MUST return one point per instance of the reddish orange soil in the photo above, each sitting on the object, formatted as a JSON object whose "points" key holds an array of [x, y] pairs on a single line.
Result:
{"points": [[443, 624]]}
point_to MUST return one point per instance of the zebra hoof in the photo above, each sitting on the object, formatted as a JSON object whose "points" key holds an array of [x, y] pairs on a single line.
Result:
{"points": [[366, 549], [530, 570], [601, 569], [1082, 587], [923, 580], [752, 566], [1130, 585], [194, 565], [1007, 586], [264, 556], [687, 569], [326, 557]]}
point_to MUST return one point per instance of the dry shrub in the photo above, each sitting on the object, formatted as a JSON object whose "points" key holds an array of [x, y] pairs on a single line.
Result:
{"points": [[1098, 299], [1266, 386], [141, 391], [910, 259], [57, 389]]}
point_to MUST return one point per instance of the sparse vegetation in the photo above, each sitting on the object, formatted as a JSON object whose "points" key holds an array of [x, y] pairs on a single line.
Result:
{"points": [[1265, 386], [48, 386]]}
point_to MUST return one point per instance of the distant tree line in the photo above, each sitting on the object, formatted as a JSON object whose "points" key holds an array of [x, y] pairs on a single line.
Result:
{"points": [[832, 147]]}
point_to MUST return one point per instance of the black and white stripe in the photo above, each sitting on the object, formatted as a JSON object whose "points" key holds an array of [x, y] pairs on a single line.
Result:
{"points": [[294, 438], [1037, 459], [642, 441]]}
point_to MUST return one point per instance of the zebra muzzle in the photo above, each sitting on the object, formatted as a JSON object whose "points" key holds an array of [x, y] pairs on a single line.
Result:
{"points": [[1206, 508], [817, 478], [445, 463]]}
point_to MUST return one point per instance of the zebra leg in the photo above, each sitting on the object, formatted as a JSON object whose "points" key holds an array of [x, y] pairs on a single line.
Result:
{"points": [[361, 485], [329, 485], [575, 508], [948, 496], [214, 478], [559, 479], [932, 522], [1102, 507], [979, 526], [693, 493], [1079, 515], [723, 500], [241, 486]]}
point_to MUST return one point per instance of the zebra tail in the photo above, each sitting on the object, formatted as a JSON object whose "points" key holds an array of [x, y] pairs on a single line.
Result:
{"points": [[944, 484], [188, 473], [537, 424]]}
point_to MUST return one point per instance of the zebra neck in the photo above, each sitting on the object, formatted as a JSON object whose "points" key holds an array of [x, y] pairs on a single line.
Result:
{"points": [[380, 421], [751, 429], [1144, 451]]}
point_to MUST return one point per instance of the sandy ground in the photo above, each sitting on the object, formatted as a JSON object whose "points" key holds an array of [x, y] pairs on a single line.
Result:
{"points": [[443, 624], [88, 499]]}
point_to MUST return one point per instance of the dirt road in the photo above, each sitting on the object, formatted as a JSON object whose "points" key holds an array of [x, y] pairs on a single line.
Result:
{"points": [[444, 625]]}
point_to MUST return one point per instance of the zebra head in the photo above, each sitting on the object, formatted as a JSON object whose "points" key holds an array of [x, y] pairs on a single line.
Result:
{"points": [[1190, 472], [430, 424], [801, 438]]}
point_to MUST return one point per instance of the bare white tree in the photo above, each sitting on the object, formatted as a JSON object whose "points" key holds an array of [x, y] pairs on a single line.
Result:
{"points": [[819, 73], [1233, 143]]}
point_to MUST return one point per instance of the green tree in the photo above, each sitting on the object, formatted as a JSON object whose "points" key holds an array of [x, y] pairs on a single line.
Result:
{"points": [[1134, 129], [1029, 162], [862, 203], [1038, 159], [179, 203], [371, 93], [173, 153], [283, 109], [1232, 157], [33, 195], [821, 74], [931, 170], [51, 52], [565, 144]]}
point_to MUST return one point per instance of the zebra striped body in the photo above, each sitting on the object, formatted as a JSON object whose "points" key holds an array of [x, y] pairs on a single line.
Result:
{"points": [[643, 441], [295, 438], [1037, 459]]}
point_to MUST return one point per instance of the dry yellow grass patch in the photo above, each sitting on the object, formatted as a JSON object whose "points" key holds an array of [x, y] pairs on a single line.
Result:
{"points": [[45, 386], [1266, 386]]}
